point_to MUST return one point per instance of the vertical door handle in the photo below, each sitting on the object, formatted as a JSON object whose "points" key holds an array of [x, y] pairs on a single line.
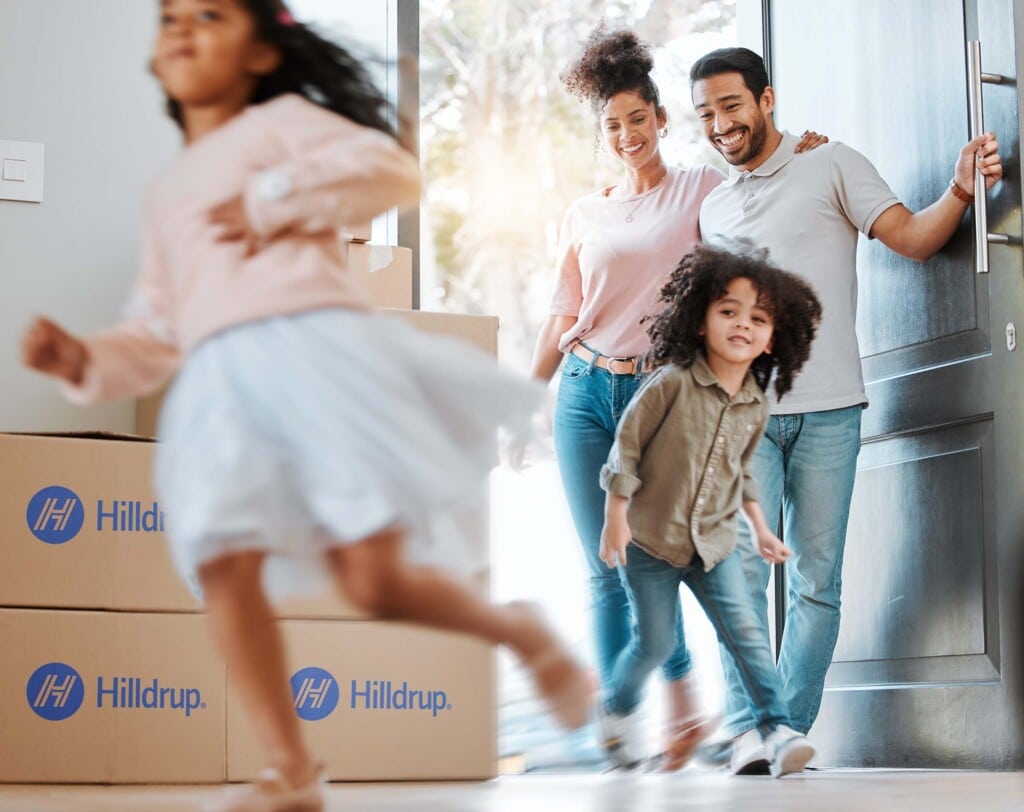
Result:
{"points": [[976, 109]]}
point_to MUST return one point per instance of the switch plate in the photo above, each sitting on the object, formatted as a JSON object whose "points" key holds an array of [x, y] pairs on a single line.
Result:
{"points": [[14, 169], [21, 171]]}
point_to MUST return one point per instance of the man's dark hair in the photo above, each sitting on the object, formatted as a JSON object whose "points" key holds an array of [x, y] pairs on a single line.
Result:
{"points": [[733, 60]]}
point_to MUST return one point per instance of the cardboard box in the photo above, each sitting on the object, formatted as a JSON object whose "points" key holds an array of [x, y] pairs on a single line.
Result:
{"points": [[386, 270], [481, 331], [357, 233], [104, 697], [80, 526], [383, 701]]}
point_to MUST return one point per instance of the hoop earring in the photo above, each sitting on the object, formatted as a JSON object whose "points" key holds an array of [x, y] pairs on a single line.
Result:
{"points": [[663, 132]]}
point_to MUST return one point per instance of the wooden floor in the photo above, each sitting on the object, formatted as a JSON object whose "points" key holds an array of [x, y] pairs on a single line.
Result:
{"points": [[831, 791]]}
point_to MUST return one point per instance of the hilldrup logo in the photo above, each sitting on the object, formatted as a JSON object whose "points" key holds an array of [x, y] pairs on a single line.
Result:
{"points": [[55, 515], [315, 693], [55, 691]]}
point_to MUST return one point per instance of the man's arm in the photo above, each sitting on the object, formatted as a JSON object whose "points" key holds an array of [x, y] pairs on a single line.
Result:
{"points": [[920, 235]]}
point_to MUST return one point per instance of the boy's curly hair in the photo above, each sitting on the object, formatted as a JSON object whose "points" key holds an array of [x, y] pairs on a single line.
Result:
{"points": [[611, 62], [701, 278]]}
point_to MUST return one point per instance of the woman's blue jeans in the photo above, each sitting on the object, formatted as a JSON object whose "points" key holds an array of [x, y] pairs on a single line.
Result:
{"points": [[590, 402]]}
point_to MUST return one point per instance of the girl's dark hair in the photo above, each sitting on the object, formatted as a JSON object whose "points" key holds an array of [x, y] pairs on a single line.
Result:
{"points": [[701, 278], [612, 62], [314, 67]]}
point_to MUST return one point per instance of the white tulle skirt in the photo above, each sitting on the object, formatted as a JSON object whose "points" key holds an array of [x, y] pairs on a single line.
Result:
{"points": [[295, 434]]}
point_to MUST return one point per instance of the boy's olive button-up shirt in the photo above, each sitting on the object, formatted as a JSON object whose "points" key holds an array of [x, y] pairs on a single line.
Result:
{"points": [[681, 455]]}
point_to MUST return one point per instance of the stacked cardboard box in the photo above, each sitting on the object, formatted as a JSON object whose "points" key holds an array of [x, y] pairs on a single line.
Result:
{"points": [[108, 674]]}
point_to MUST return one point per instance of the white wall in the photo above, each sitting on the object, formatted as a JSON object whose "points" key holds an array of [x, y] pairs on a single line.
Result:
{"points": [[73, 76]]}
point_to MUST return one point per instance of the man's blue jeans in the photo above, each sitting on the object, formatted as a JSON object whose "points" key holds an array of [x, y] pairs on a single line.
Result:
{"points": [[590, 402], [723, 593], [805, 465]]}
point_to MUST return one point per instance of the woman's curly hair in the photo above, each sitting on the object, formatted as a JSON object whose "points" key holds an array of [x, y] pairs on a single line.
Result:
{"points": [[612, 62], [702, 278]]}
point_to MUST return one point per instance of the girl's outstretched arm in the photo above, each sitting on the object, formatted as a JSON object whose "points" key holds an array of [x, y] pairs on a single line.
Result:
{"points": [[128, 360]]}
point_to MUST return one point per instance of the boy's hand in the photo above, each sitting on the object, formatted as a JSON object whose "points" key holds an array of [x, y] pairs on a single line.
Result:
{"points": [[771, 548], [615, 538], [47, 348], [234, 224]]}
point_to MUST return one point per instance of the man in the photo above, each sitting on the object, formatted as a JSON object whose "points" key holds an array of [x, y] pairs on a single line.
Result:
{"points": [[807, 211]]}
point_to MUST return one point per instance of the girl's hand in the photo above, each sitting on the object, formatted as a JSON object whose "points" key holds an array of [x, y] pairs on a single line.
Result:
{"points": [[771, 548], [47, 348], [234, 224], [810, 141], [615, 538]]}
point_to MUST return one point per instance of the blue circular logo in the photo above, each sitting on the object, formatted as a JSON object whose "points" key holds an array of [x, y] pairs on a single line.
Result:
{"points": [[55, 691], [55, 515], [315, 693]]}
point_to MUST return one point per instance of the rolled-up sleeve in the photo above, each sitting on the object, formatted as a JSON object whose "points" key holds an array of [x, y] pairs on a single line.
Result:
{"points": [[641, 421]]}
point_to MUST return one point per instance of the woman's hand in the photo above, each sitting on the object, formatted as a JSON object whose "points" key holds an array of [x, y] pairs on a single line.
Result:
{"points": [[234, 224], [47, 348], [811, 140]]}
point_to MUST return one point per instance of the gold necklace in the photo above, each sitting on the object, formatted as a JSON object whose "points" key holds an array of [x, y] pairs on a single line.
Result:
{"points": [[639, 201], [631, 211]]}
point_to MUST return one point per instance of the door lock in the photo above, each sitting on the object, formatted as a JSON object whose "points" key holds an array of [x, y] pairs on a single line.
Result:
{"points": [[1011, 336]]}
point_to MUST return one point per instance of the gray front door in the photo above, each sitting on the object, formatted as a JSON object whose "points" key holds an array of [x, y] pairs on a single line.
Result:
{"points": [[928, 670]]}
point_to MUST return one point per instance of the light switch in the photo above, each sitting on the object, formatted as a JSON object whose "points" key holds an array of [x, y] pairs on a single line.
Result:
{"points": [[21, 171], [14, 169]]}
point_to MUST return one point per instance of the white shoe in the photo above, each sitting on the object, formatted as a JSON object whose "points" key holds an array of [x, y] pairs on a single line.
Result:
{"points": [[749, 756], [788, 751], [621, 737]]}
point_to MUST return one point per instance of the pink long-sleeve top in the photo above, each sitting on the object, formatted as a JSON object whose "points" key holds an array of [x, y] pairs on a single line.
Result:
{"points": [[305, 174]]}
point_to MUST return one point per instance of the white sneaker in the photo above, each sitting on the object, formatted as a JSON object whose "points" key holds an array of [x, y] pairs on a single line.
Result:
{"points": [[621, 737], [749, 756], [788, 751]]}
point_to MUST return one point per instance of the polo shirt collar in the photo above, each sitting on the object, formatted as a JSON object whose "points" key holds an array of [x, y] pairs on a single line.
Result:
{"points": [[784, 153], [750, 392]]}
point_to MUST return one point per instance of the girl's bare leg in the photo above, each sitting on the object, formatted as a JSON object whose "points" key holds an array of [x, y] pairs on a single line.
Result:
{"points": [[687, 725], [246, 634], [374, 576]]}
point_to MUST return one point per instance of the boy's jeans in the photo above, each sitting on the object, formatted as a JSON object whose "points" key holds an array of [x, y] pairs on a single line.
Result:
{"points": [[723, 593]]}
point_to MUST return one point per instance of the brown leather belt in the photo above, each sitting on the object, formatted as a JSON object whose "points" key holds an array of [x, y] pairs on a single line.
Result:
{"points": [[616, 366]]}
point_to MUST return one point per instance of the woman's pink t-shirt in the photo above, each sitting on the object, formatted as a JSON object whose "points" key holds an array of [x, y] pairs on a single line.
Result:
{"points": [[611, 270]]}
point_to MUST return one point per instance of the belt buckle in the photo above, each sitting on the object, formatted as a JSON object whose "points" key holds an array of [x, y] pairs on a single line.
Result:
{"points": [[631, 361]]}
